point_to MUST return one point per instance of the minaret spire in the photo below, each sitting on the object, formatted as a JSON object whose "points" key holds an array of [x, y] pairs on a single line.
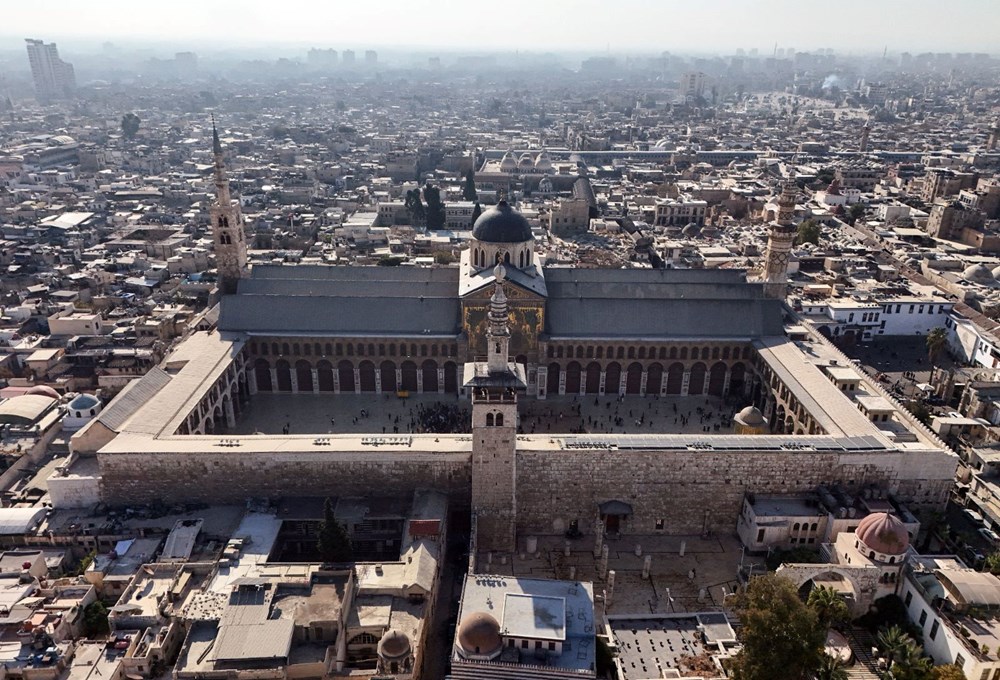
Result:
{"points": [[779, 244], [227, 226], [498, 334]]}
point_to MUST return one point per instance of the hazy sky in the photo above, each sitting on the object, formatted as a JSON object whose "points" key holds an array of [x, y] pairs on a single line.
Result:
{"points": [[535, 25]]}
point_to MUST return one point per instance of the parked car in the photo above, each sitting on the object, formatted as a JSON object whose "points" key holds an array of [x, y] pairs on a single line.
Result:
{"points": [[990, 535], [973, 515]]}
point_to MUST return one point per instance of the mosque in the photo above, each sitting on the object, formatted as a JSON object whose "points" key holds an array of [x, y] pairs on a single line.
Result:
{"points": [[500, 328]]}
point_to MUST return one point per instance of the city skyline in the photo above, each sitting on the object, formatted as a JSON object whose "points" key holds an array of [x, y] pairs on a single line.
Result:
{"points": [[634, 26]]}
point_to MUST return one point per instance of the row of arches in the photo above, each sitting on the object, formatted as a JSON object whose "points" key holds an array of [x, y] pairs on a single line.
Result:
{"points": [[324, 376], [715, 353], [700, 379], [330, 349]]}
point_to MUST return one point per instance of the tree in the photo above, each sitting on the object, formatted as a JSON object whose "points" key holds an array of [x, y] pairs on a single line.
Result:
{"points": [[130, 125], [936, 341], [476, 212], [469, 190], [414, 206], [856, 212], [949, 672], [830, 608], [892, 641], [830, 668], [782, 637], [334, 545], [435, 208], [911, 664], [808, 233], [95, 619], [443, 257], [992, 563]]}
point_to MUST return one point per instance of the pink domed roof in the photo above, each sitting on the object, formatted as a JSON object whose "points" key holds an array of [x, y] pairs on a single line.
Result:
{"points": [[883, 533], [43, 390]]}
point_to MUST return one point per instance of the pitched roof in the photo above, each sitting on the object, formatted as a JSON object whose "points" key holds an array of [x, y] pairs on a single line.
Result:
{"points": [[132, 397], [397, 301]]}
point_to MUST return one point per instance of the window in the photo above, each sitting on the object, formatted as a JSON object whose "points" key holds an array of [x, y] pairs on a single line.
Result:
{"points": [[909, 598], [552, 646], [499, 420], [659, 525], [959, 660], [760, 535], [923, 618], [934, 628]]}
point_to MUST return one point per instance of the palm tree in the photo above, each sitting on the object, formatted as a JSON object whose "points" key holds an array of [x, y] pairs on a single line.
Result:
{"points": [[936, 341], [893, 642], [911, 663], [830, 668], [829, 606]]}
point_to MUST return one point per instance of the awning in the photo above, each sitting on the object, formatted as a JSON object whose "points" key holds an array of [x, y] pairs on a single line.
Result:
{"points": [[615, 508]]}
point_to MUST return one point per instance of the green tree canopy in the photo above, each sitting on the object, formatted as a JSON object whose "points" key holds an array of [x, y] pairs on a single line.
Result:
{"points": [[414, 206], [808, 233], [130, 125], [830, 608], [435, 208], [469, 190], [936, 341], [95, 619], [334, 545], [782, 638], [476, 212]]}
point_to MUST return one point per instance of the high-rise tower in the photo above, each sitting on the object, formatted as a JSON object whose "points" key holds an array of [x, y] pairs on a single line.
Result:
{"points": [[779, 244], [54, 78], [227, 227], [494, 385]]}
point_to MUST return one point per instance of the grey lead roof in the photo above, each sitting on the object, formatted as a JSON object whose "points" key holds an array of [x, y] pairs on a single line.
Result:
{"points": [[582, 303], [658, 303]]}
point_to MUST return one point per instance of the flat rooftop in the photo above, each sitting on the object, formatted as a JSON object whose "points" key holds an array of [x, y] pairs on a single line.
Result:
{"points": [[648, 646], [539, 609]]}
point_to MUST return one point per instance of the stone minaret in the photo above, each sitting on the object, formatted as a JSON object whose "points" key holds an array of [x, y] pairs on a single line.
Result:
{"points": [[227, 227], [865, 131], [494, 432], [779, 245], [498, 334], [991, 143]]}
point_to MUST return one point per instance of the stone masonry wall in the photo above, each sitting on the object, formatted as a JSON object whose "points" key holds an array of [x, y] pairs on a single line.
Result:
{"points": [[231, 477], [690, 490]]}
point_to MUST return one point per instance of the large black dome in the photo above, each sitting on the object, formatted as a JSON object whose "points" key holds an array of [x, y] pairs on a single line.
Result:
{"points": [[501, 224]]}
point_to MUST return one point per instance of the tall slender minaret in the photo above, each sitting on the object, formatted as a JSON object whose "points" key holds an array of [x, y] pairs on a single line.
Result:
{"points": [[865, 131], [498, 332], [494, 386], [779, 245], [991, 143], [227, 226]]}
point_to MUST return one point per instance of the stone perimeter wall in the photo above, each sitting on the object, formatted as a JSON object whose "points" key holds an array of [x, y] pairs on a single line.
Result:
{"points": [[553, 487], [232, 477], [680, 487]]}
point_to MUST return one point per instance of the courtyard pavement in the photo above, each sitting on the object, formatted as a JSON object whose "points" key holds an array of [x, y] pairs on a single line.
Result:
{"points": [[270, 413]]}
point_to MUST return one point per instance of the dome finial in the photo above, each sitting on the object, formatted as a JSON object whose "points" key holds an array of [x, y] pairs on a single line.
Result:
{"points": [[499, 273]]}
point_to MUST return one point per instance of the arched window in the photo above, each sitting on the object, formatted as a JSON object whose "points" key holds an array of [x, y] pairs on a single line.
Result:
{"points": [[499, 420], [497, 348], [264, 348], [489, 420], [506, 258], [284, 348], [600, 352], [308, 349], [621, 352], [795, 527], [520, 260], [361, 350], [642, 352]]}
